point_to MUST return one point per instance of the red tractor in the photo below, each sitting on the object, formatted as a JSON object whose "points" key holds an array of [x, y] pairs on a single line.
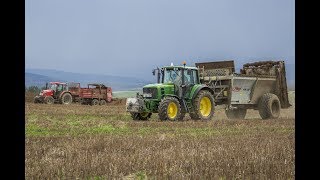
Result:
{"points": [[58, 92]]}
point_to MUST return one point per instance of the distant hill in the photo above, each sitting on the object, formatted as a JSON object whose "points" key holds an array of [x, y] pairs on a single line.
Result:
{"points": [[37, 80], [38, 77]]}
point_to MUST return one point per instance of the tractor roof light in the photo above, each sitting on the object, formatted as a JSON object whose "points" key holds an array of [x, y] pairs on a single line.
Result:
{"points": [[184, 63]]}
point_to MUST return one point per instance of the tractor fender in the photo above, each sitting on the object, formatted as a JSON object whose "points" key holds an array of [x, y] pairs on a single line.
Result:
{"points": [[171, 95], [199, 88]]}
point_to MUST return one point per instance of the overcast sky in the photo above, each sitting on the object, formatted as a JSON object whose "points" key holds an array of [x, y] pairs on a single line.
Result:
{"points": [[130, 37]]}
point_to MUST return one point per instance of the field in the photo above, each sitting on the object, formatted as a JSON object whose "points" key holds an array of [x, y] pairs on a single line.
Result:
{"points": [[102, 142]]}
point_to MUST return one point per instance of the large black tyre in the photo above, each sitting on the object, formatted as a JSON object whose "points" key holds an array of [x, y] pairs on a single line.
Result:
{"points": [[49, 100], [94, 102], [140, 116], [170, 109], [239, 113], [203, 106], [66, 98], [103, 102], [269, 106]]}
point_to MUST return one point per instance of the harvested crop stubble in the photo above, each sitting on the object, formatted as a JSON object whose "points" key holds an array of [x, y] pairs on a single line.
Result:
{"points": [[103, 142]]}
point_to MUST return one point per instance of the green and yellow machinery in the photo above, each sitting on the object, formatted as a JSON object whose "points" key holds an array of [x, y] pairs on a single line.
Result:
{"points": [[197, 90]]}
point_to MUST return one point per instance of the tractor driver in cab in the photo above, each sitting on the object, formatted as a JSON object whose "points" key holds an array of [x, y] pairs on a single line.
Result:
{"points": [[59, 87], [174, 76], [53, 87]]}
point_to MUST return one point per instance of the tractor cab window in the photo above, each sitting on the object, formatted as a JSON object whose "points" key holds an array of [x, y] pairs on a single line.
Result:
{"points": [[190, 76], [59, 87], [172, 75], [53, 87]]}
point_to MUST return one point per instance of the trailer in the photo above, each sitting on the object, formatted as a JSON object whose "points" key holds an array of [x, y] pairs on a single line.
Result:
{"points": [[95, 94], [259, 85]]}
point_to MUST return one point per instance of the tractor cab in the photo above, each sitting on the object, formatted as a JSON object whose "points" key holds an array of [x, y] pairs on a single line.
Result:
{"points": [[57, 92], [181, 78], [180, 75], [53, 89], [56, 88]]}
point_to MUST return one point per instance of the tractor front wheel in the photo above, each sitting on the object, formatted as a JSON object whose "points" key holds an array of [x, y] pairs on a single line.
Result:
{"points": [[49, 100], [170, 109], [35, 100], [203, 106]]}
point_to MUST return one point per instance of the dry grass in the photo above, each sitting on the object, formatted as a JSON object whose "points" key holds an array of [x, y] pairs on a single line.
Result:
{"points": [[86, 142]]}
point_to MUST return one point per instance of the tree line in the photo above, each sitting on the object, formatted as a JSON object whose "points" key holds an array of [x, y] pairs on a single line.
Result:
{"points": [[34, 89]]}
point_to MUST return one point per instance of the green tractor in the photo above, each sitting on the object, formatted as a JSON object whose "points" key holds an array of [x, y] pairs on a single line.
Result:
{"points": [[178, 91]]}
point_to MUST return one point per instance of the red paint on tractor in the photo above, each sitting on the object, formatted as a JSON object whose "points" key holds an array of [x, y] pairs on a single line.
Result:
{"points": [[93, 92]]}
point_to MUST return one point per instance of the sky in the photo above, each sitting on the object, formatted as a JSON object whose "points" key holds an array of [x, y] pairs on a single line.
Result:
{"points": [[132, 37]]}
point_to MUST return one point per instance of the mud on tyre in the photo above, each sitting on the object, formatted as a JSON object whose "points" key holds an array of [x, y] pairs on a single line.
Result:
{"points": [[203, 105], [66, 98], [49, 100], [170, 109], [269, 106]]}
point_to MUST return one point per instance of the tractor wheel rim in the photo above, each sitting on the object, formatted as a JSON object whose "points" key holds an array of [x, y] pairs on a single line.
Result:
{"points": [[205, 106], [67, 99], [172, 110]]}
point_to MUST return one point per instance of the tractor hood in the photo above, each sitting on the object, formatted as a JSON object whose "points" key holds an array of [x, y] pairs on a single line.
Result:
{"points": [[47, 92], [155, 91]]}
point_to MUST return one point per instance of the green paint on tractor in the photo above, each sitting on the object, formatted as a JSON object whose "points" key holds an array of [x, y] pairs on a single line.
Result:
{"points": [[172, 96], [180, 89]]}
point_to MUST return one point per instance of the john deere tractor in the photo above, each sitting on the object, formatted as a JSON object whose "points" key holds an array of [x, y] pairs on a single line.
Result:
{"points": [[178, 91]]}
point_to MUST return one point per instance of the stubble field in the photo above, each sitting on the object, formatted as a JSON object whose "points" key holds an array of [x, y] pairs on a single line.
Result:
{"points": [[102, 142]]}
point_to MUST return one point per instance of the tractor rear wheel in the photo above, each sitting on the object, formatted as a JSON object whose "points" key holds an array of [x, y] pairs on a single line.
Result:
{"points": [[103, 102], [140, 116], [66, 98], [49, 100], [269, 106], [203, 105], [239, 113], [170, 109], [94, 102]]}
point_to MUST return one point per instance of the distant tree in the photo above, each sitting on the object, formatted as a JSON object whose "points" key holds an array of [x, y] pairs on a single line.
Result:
{"points": [[34, 89]]}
